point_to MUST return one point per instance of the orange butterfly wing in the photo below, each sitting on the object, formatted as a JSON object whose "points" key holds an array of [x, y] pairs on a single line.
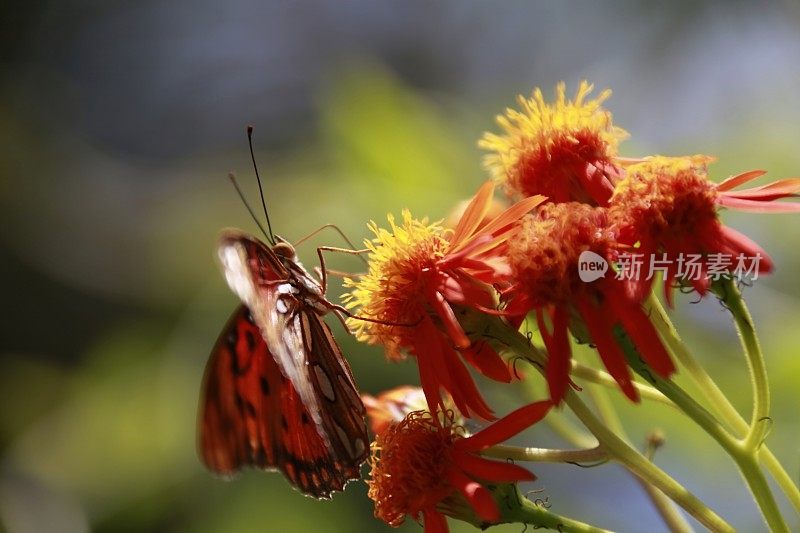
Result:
{"points": [[252, 415]]}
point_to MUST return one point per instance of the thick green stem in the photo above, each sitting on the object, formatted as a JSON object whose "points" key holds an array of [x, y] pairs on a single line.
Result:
{"points": [[742, 455], [569, 431], [759, 423], [716, 398], [646, 470], [527, 512], [604, 378], [616, 447], [664, 506]]}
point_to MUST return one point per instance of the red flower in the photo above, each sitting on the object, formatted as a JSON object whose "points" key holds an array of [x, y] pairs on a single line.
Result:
{"points": [[544, 256], [565, 150], [668, 206], [418, 274], [393, 405], [423, 468]]}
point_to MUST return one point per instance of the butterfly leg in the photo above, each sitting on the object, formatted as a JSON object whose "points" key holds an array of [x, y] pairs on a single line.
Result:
{"points": [[322, 260], [338, 309], [335, 228]]}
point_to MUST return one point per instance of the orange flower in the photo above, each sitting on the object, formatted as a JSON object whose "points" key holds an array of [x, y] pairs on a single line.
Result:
{"points": [[419, 273], [392, 406], [544, 258], [422, 467], [668, 205], [564, 151]]}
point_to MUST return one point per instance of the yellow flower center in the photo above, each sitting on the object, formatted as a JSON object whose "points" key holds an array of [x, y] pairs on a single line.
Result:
{"points": [[544, 146], [402, 262]]}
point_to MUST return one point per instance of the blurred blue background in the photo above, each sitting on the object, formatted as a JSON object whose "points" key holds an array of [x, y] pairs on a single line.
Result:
{"points": [[120, 120]]}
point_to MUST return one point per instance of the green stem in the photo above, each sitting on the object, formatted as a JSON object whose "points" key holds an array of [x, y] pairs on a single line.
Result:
{"points": [[604, 378], [528, 512], [744, 457], [696, 372], [664, 506], [717, 399], [545, 455], [616, 447], [674, 520], [646, 470], [568, 430], [732, 298]]}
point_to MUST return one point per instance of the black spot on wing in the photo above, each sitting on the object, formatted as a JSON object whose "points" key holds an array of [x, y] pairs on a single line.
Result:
{"points": [[231, 339], [251, 340]]}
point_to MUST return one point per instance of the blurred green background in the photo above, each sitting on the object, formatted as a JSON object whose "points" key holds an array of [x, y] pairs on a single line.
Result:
{"points": [[120, 120]]}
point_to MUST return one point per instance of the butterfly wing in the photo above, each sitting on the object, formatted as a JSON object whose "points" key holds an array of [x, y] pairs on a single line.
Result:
{"points": [[234, 426], [342, 410], [316, 366], [252, 415]]}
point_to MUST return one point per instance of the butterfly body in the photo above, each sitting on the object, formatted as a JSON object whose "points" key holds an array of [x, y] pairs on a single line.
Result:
{"points": [[278, 393]]}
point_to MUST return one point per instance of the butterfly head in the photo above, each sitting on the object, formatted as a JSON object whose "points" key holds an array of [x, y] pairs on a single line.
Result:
{"points": [[283, 249]]}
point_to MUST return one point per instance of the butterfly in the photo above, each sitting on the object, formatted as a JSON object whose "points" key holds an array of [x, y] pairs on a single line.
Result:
{"points": [[278, 393]]}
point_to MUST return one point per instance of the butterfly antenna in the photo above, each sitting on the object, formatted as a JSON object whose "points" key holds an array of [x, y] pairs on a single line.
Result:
{"points": [[258, 179], [232, 177]]}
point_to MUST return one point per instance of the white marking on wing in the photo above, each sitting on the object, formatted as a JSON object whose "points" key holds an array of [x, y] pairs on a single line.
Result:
{"points": [[324, 383], [237, 274], [345, 440]]}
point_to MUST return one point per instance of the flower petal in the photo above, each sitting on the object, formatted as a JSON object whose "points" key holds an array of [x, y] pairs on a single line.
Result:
{"points": [[758, 206], [511, 215], [476, 494], [483, 357], [430, 383], [473, 215], [488, 470], [465, 385], [770, 191], [610, 352], [507, 427], [558, 355], [451, 325], [740, 179], [643, 334], [744, 244], [434, 521]]}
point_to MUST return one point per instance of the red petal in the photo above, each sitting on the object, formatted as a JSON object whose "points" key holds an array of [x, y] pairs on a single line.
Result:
{"points": [[487, 362], [449, 319], [559, 355], [735, 181], [607, 347], [434, 521], [643, 334], [511, 215], [542, 325], [473, 215], [465, 385], [485, 469], [478, 497], [467, 249], [506, 427], [597, 184], [758, 206], [430, 384], [770, 191], [473, 291], [744, 244]]}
